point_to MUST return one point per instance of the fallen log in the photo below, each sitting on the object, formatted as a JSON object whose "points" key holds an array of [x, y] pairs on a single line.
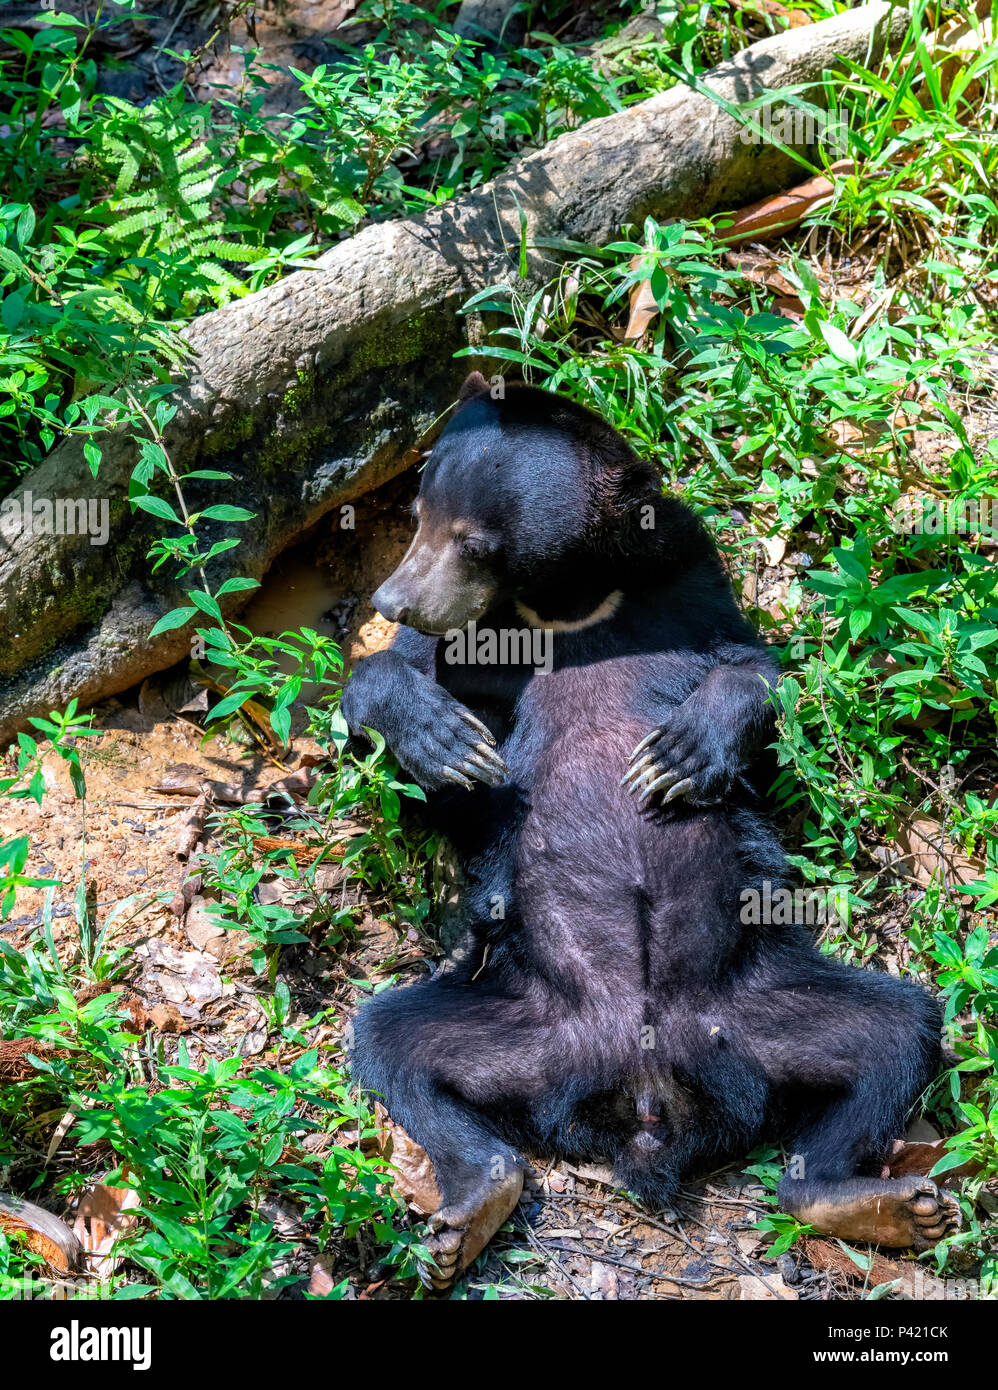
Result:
{"points": [[41, 1232], [317, 389]]}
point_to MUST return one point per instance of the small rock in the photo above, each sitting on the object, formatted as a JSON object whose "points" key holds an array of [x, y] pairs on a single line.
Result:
{"points": [[921, 1132], [770, 1291]]}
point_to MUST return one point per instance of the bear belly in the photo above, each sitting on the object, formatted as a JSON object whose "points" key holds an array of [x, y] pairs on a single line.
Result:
{"points": [[613, 899]]}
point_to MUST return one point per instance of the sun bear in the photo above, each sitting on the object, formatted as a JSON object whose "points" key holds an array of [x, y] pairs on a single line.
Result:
{"points": [[607, 806]]}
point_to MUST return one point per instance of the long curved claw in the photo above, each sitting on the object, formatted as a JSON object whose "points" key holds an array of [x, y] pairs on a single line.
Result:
{"points": [[646, 742], [682, 788], [637, 770], [659, 782], [487, 757], [490, 753], [477, 724], [475, 766], [651, 771], [449, 774]]}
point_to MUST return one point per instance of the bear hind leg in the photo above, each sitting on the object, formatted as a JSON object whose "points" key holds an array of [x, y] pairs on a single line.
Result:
{"points": [[437, 1057]]}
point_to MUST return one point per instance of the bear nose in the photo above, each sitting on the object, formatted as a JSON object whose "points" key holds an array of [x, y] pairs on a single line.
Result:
{"points": [[388, 606]]}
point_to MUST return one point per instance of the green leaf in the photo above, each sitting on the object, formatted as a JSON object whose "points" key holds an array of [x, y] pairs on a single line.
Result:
{"points": [[175, 618], [91, 452], [280, 722], [839, 345], [781, 1244], [59, 17], [235, 586], [862, 1262], [859, 620], [951, 1160], [229, 705], [157, 507], [852, 565], [222, 511], [206, 603]]}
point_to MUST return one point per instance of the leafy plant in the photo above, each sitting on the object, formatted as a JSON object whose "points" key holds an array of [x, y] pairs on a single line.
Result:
{"points": [[208, 1150], [786, 1229]]}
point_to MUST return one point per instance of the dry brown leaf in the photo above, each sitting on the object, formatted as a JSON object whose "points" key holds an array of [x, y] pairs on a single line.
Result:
{"points": [[201, 925], [918, 1159], [251, 710], [783, 211], [772, 1289], [95, 988], [181, 977], [643, 306], [186, 779], [927, 854], [103, 1214], [66, 1122], [414, 1174], [291, 788], [761, 267], [591, 1172], [165, 1018], [322, 1283], [789, 306], [203, 984], [192, 825], [284, 1216], [604, 1281], [775, 547], [748, 1242], [181, 779], [253, 1041]]}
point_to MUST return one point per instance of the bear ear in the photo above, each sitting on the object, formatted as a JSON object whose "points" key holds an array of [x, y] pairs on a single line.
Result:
{"points": [[473, 384]]}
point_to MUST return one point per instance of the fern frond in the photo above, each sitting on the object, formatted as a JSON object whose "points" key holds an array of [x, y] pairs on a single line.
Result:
{"points": [[239, 251]]}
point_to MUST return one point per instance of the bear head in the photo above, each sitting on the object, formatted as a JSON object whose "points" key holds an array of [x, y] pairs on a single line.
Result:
{"points": [[527, 498]]}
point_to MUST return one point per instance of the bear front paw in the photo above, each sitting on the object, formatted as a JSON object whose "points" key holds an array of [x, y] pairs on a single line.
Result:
{"points": [[682, 757], [448, 744]]}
